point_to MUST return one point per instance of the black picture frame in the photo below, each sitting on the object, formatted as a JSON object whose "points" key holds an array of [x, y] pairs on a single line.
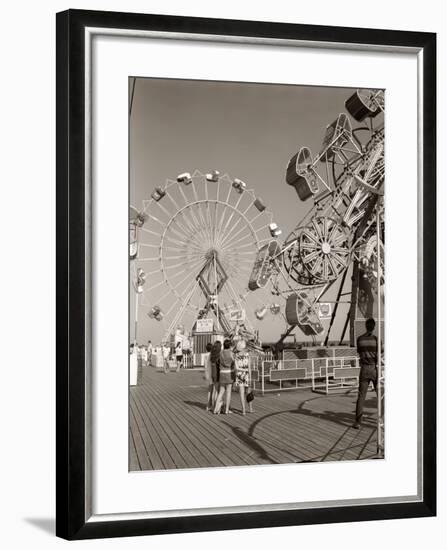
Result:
{"points": [[72, 513]]}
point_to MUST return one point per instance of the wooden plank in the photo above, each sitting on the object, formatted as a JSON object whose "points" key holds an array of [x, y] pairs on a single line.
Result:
{"points": [[144, 463], [134, 465], [153, 443], [176, 447], [151, 432]]}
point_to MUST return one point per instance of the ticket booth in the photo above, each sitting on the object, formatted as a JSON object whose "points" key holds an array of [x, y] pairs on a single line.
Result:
{"points": [[204, 332]]}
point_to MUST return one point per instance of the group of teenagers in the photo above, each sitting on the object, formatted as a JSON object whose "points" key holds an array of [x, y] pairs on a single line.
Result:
{"points": [[225, 367]]}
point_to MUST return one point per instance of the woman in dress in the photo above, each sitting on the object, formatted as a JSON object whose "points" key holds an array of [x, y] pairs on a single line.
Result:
{"points": [[179, 355], [226, 378], [243, 375]]}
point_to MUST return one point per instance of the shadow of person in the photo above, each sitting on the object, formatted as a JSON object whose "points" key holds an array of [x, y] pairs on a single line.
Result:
{"points": [[251, 442], [44, 524], [338, 417], [198, 404]]}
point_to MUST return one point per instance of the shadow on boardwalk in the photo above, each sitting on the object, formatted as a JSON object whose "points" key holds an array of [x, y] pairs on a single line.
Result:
{"points": [[170, 427]]}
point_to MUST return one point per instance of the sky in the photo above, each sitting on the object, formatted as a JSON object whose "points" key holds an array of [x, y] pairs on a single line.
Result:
{"points": [[249, 131]]}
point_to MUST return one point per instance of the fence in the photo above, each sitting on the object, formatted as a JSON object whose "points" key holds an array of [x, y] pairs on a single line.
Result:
{"points": [[327, 374]]}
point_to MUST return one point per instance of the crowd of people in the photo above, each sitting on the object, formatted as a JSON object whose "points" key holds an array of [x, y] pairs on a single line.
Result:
{"points": [[225, 368]]}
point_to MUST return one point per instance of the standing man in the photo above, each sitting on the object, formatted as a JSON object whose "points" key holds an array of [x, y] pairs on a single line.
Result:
{"points": [[367, 350]]}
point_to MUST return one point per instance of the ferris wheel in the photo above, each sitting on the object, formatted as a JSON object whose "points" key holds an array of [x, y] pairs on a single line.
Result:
{"points": [[194, 241]]}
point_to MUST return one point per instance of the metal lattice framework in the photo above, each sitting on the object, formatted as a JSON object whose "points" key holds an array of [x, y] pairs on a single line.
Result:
{"points": [[196, 238], [345, 182]]}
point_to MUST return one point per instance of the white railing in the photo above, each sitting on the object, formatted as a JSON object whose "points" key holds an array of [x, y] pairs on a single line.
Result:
{"points": [[325, 374]]}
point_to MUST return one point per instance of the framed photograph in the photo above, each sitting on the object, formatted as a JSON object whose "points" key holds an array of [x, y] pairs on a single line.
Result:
{"points": [[226, 356]]}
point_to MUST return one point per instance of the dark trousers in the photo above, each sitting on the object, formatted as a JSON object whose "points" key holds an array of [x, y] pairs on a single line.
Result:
{"points": [[367, 374]]}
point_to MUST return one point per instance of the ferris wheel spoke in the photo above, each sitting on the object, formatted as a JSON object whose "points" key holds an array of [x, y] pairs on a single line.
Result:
{"points": [[148, 259], [255, 218], [311, 237], [222, 231], [155, 286], [180, 187], [157, 220], [181, 264], [317, 265], [171, 198], [187, 232], [155, 272], [175, 241], [334, 271], [225, 238], [325, 268], [339, 260], [183, 257], [339, 250], [151, 232], [216, 209], [265, 240], [208, 226], [317, 229], [192, 270], [191, 224], [307, 246], [148, 245], [198, 224], [184, 239], [186, 290], [252, 243], [165, 295], [204, 225], [230, 187], [339, 240], [194, 190], [312, 256], [164, 210], [219, 224], [182, 242], [235, 242]]}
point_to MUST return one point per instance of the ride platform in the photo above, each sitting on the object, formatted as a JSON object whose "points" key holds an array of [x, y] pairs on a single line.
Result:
{"points": [[170, 428]]}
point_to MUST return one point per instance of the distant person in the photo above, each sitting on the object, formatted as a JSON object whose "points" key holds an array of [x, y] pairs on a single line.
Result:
{"points": [[179, 355], [149, 352], [166, 351], [367, 351], [211, 397], [144, 355], [227, 372]]}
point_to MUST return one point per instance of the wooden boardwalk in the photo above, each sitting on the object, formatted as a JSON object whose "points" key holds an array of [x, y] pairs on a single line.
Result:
{"points": [[170, 428]]}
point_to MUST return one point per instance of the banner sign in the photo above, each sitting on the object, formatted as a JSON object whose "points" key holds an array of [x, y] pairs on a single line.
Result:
{"points": [[204, 325]]}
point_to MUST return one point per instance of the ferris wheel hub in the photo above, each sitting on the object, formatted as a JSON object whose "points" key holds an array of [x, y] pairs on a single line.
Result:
{"points": [[326, 248], [211, 254]]}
